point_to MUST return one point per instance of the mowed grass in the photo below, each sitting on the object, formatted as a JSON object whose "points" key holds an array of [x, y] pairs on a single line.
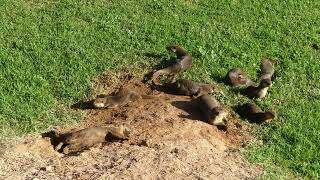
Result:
{"points": [[50, 50]]}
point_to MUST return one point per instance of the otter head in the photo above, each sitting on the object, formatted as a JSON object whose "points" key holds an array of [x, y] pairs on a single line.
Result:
{"points": [[126, 131], [269, 61], [100, 102], [208, 88], [237, 77], [262, 117], [172, 48], [218, 116], [270, 115], [242, 79]]}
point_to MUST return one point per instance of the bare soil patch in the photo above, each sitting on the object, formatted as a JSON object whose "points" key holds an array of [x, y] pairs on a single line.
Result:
{"points": [[168, 141]]}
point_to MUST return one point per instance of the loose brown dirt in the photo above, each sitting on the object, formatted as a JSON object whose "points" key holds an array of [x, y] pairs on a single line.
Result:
{"points": [[169, 140]]}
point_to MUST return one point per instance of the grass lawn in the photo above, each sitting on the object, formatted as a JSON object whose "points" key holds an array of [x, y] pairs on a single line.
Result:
{"points": [[50, 50]]}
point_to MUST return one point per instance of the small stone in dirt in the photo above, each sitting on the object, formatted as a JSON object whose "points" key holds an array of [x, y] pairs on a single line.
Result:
{"points": [[175, 150], [143, 143], [47, 168], [34, 172]]}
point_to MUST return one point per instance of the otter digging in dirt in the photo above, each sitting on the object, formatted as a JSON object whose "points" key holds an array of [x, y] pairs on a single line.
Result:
{"points": [[86, 138], [189, 88], [237, 78], [183, 62], [254, 113], [213, 112]]}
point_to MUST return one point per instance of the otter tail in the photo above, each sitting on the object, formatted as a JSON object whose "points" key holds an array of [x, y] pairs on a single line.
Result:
{"points": [[155, 76], [144, 96]]}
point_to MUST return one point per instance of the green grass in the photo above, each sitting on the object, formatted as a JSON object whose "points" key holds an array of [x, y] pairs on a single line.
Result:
{"points": [[50, 50]]}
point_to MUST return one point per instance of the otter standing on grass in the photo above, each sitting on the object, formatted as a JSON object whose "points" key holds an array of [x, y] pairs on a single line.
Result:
{"points": [[183, 62], [267, 69], [189, 88], [86, 138]]}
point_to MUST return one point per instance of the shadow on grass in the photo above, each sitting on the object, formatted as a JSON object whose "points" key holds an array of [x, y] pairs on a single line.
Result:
{"points": [[165, 60], [219, 78]]}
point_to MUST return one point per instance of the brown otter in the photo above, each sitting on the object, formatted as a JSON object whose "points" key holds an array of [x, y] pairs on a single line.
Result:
{"points": [[183, 62], [86, 138], [237, 78], [267, 69], [213, 112], [254, 113], [189, 88], [121, 98], [259, 91]]}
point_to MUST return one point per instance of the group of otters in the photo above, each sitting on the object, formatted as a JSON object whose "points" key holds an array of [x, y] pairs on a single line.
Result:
{"points": [[213, 112]]}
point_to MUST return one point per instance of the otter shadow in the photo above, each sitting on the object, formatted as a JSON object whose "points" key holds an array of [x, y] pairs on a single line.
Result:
{"points": [[155, 55], [83, 105], [54, 140], [191, 107], [52, 135], [165, 60], [219, 79]]}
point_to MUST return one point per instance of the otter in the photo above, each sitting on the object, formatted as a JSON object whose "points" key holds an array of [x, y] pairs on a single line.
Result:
{"points": [[121, 98], [189, 88], [254, 113], [183, 62], [267, 69], [88, 137], [213, 112], [237, 78], [259, 91]]}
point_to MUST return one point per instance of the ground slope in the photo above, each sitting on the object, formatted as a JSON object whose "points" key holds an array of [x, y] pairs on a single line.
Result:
{"points": [[168, 141]]}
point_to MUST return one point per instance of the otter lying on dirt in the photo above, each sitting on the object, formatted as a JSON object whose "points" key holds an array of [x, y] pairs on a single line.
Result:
{"points": [[212, 110], [189, 88], [88, 137]]}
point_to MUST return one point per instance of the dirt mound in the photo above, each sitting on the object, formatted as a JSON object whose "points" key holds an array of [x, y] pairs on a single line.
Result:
{"points": [[168, 141]]}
